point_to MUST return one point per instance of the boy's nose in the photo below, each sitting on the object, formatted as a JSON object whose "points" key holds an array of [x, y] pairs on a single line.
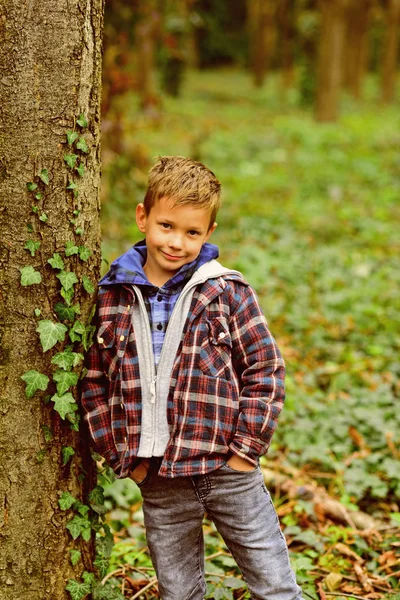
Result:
{"points": [[175, 241]]}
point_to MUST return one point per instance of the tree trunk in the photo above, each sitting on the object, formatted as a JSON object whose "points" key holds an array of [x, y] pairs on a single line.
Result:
{"points": [[146, 33], [390, 51], [330, 58], [50, 67], [356, 45], [286, 17], [260, 15]]}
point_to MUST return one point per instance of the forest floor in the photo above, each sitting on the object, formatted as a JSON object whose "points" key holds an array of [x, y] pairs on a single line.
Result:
{"points": [[311, 217]]}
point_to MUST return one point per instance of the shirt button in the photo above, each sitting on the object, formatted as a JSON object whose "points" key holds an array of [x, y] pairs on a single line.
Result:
{"points": [[221, 335], [121, 338], [159, 326], [128, 308], [100, 340], [159, 298]]}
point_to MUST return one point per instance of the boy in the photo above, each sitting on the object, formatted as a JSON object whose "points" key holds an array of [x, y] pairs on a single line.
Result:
{"points": [[184, 387]]}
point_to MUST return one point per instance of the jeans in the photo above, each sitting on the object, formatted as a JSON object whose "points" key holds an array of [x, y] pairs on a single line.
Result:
{"points": [[242, 510]]}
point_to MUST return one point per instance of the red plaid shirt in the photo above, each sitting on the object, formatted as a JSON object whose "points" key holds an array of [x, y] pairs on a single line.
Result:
{"points": [[227, 382]]}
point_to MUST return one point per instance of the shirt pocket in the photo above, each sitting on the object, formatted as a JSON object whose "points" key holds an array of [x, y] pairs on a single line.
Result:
{"points": [[106, 339], [216, 349]]}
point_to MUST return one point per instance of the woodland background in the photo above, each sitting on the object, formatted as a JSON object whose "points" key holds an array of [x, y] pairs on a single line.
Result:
{"points": [[295, 107]]}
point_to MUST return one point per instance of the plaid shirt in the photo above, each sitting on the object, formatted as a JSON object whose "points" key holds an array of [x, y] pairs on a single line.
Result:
{"points": [[227, 383]]}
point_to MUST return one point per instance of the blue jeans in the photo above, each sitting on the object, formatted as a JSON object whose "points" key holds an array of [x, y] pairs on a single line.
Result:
{"points": [[242, 510]]}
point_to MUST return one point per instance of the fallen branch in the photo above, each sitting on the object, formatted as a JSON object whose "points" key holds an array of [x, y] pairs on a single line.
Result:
{"points": [[323, 503]]}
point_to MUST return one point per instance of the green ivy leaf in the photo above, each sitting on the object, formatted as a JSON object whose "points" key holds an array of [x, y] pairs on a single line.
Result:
{"points": [[67, 360], [101, 564], [37, 312], [79, 231], [75, 556], [67, 453], [71, 137], [77, 525], [65, 380], [29, 276], [50, 333], [82, 145], [64, 312], [74, 419], [84, 253], [71, 248], [87, 337], [65, 404], [44, 176], [82, 121], [31, 186], [80, 169], [77, 591], [56, 261], [67, 295], [29, 227], [35, 208], [70, 159], [32, 246], [38, 196], [67, 279], [66, 501], [44, 218], [88, 285], [34, 381], [41, 454], [76, 331], [47, 432]]}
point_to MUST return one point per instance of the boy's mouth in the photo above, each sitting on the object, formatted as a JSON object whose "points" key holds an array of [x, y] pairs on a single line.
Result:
{"points": [[171, 256]]}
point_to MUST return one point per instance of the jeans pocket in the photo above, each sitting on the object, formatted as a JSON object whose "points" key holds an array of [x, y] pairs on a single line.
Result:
{"points": [[226, 467]]}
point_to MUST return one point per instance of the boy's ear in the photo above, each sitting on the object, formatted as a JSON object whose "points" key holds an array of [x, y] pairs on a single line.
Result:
{"points": [[141, 217], [209, 232]]}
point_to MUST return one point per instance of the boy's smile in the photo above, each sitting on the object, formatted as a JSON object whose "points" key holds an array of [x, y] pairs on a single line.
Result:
{"points": [[174, 237]]}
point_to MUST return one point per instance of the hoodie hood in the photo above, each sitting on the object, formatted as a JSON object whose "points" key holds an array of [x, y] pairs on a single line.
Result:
{"points": [[128, 268]]}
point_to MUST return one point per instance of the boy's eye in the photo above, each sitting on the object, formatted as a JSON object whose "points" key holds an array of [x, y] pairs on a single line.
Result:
{"points": [[194, 232], [165, 225]]}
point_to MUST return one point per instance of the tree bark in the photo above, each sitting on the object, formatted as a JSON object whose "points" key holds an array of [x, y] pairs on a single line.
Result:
{"points": [[356, 45], [390, 50], [50, 73], [260, 15], [286, 18], [330, 59]]}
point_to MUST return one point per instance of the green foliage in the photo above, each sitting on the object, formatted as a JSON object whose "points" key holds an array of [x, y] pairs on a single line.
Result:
{"points": [[67, 279], [56, 261], [82, 121], [50, 333], [29, 276], [75, 556], [65, 404], [32, 246], [71, 159], [67, 359], [65, 380], [34, 381], [88, 285], [44, 176]]}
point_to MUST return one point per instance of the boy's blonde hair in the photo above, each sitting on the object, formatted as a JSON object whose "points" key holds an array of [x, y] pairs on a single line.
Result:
{"points": [[184, 181]]}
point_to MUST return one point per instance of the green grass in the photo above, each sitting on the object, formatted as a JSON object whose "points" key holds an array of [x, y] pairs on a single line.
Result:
{"points": [[311, 217]]}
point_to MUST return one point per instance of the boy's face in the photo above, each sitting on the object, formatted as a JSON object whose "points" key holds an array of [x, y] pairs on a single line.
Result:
{"points": [[174, 237]]}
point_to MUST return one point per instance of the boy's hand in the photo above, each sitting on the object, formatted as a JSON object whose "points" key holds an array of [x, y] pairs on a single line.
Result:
{"points": [[139, 473], [237, 463]]}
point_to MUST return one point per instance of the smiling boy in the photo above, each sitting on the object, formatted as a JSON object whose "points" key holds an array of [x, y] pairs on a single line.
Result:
{"points": [[184, 387]]}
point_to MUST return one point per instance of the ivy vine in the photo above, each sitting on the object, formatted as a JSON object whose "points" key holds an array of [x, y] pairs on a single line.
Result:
{"points": [[65, 333]]}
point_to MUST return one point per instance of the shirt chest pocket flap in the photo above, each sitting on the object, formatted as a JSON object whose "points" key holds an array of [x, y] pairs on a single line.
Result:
{"points": [[216, 348], [106, 339]]}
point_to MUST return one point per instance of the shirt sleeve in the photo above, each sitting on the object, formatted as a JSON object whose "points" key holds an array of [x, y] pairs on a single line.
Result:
{"points": [[261, 371], [94, 401]]}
